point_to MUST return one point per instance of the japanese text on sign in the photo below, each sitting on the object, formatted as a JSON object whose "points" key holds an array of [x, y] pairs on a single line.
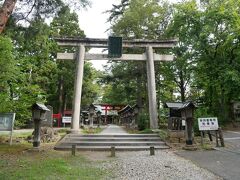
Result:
{"points": [[208, 124], [66, 119]]}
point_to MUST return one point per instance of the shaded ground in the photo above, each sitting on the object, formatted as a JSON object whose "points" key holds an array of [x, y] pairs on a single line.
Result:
{"points": [[224, 164], [222, 161]]}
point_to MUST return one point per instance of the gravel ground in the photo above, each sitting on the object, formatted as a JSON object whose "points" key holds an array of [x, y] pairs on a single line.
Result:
{"points": [[164, 165]]}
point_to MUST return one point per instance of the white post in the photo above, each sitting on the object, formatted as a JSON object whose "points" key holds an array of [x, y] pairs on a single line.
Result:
{"points": [[151, 89], [78, 89]]}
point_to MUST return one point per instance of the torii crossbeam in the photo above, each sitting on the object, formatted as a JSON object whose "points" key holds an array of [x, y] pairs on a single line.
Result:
{"points": [[81, 55]]}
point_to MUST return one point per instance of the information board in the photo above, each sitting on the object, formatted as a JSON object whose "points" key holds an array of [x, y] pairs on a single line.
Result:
{"points": [[7, 121], [66, 119], [208, 124]]}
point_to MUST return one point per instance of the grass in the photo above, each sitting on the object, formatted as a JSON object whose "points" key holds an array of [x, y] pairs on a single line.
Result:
{"points": [[47, 164], [136, 131], [18, 163], [92, 130], [163, 134], [62, 132]]}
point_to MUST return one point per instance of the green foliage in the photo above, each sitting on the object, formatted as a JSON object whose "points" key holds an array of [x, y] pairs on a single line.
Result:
{"points": [[127, 80], [7, 73], [66, 24], [28, 10], [30, 72], [143, 121], [92, 130]]}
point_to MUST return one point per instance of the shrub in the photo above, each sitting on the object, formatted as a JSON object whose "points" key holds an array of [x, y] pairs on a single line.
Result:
{"points": [[143, 121]]}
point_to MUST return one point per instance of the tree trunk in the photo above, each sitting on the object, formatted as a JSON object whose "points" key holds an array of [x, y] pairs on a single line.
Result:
{"points": [[60, 106], [182, 87], [5, 12]]}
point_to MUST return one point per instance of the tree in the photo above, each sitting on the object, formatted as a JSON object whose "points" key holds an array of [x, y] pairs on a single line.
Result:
{"points": [[130, 22], [185, 25], [218, 66], [27, 9], [66, 24], [208, 50], [7, 73]]}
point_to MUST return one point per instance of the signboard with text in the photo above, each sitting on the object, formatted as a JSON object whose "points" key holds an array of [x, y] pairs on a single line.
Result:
{"points": [[66, 119], [208, 124], [7, 121]]}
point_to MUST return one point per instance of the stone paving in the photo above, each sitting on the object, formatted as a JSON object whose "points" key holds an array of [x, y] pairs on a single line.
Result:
{"points": [[113, 129]]}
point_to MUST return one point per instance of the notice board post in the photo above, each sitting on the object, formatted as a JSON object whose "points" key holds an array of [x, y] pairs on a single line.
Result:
{"points": [[210, 124], [7, 123]]}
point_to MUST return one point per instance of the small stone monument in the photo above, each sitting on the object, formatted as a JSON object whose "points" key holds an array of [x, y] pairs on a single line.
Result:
{"points": [[38, 115]]}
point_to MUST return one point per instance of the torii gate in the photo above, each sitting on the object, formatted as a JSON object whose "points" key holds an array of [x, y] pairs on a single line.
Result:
{"points": [[149, 57]]}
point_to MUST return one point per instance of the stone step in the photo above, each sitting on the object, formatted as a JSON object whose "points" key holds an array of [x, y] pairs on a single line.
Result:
{"points": [[107, 148], [112, 135], [114, 143], [105, 141], [112, 139]]}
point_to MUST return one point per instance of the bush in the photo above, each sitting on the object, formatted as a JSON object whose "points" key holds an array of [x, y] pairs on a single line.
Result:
{"points": [[143, 121]]}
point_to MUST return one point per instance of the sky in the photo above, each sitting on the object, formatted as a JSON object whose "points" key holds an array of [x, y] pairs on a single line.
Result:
{"points": [[93, 22]]}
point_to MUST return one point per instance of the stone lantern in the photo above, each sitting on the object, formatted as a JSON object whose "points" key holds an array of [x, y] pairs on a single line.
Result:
{"points": [[187, 113], [38, 115]]}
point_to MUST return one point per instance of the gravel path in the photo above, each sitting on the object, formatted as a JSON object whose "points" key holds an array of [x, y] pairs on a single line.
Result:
{"points": [[164, 165]]}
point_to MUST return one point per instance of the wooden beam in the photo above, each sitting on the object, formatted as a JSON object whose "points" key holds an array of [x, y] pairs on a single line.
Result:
{"points": [[103, 43], [125, 57]]}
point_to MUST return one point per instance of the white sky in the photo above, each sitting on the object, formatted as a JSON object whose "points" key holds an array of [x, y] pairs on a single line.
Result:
{"points": [[93, 22]]}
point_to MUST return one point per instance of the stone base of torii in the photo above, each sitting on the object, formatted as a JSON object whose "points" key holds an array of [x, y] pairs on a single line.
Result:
{"points": [[81, 55]]}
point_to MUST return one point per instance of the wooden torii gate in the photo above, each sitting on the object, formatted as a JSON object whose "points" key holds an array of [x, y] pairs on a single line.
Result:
{"points": [[81, 55]]}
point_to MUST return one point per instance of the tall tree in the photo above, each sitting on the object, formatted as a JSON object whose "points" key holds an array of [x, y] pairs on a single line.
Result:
{"points": [[129, 21], [186, 27], [7, 73], [27, 9]]}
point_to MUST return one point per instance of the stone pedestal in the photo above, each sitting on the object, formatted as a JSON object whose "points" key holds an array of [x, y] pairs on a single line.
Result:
{"points": [[190, 147]]}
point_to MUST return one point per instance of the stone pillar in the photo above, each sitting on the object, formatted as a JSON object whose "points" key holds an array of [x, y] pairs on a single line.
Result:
{"points": [[91, 119], [151, 89], [78, 89], [36, 135]]}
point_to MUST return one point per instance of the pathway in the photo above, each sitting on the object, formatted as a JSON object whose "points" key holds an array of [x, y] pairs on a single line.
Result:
{"points": [[111, 136], [113, 129], [224, 161]]}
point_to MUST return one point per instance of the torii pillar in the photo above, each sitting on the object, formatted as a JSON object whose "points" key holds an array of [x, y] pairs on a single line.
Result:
{"points": [[78, 89], [149, 57], [152, 99]]}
